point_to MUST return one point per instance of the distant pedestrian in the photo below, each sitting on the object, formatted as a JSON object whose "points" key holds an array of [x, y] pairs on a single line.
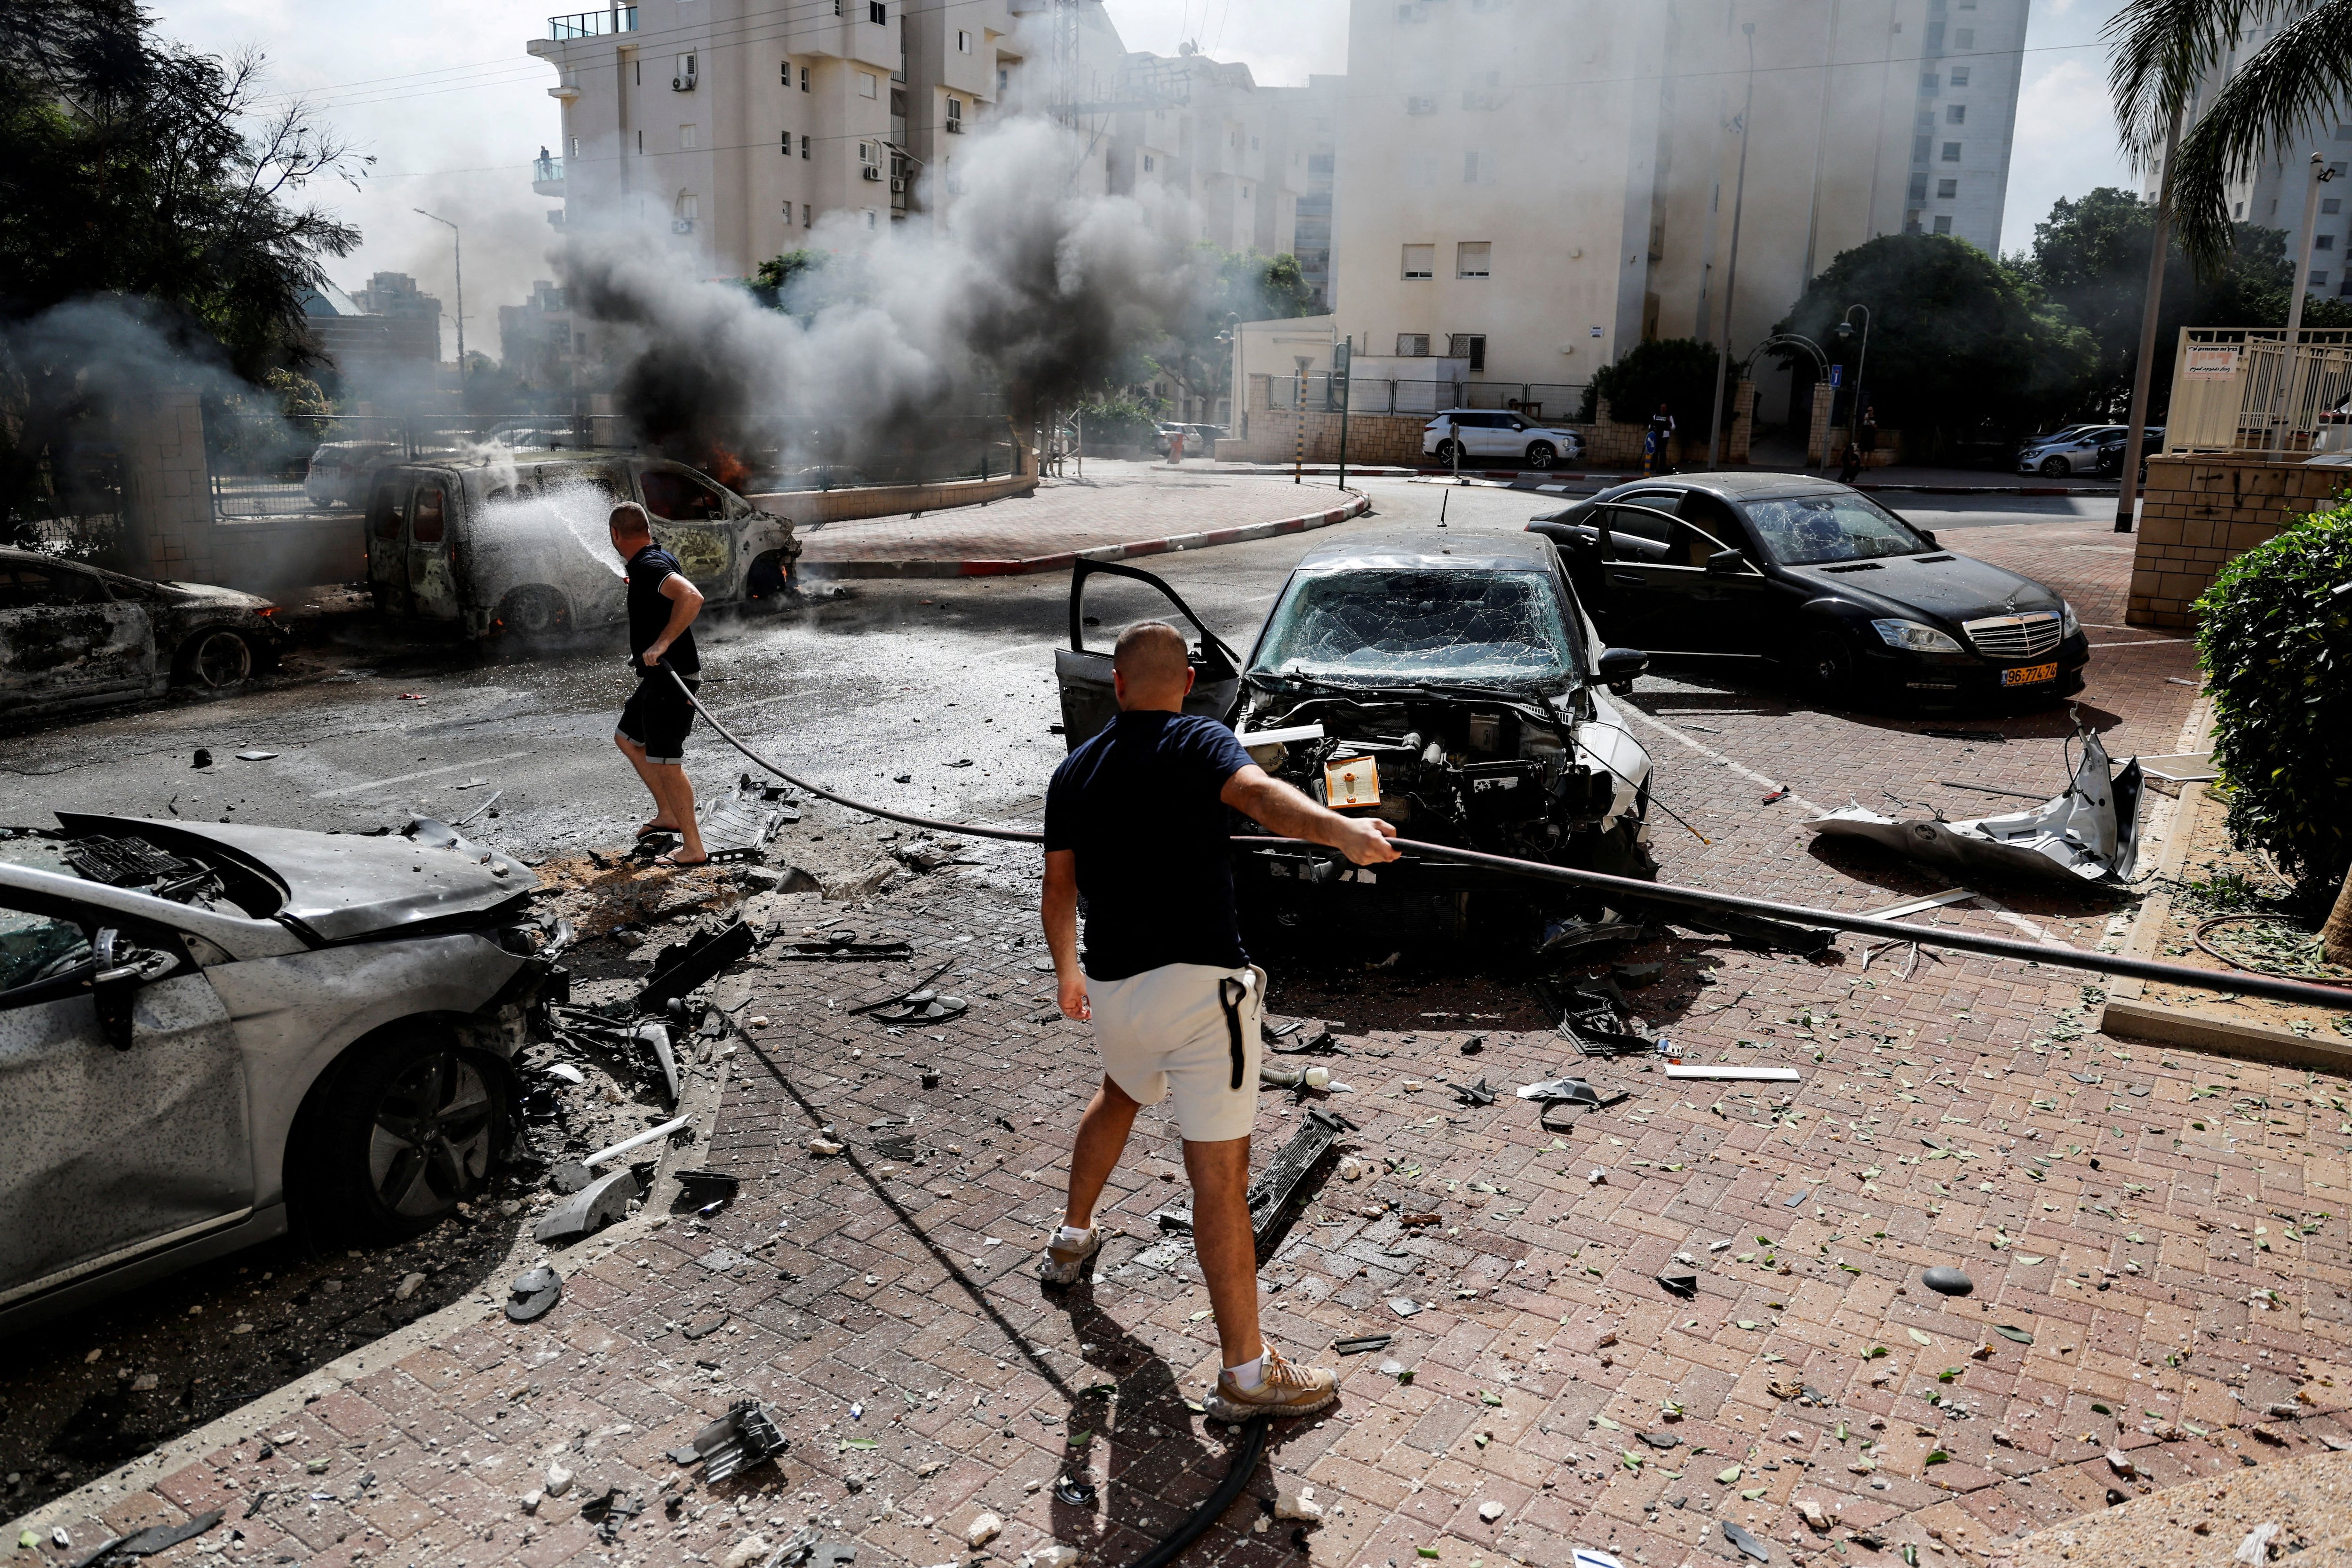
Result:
{"points": [[1653, 443], [1868, 434], [1849, 466], [1136, 825], [652, 732], [1176, 449]]}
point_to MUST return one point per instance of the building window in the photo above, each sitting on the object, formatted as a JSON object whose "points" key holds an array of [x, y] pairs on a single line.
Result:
{"points": [[1473, 259], [1919, 145], [955, 112], [963, 42], [686, 138], [1412, 345], [2319, 280], [1918, 191], [804, 146], [1471, 346], [1965, 37], [2241, 211], [1911, 222], [788, 145], [868, 84], [1421, 261], [805, 86], [1946, 189], [870, 216], [877, 13], [1955, 114], [2326, 204], [804, 215], [575, 146], [788, 215], [1928, 84], [1478, 167], [2322, 242], [1944, 225], [1246, 193], [1951, 152], [1150, 163], [1959, 76]]}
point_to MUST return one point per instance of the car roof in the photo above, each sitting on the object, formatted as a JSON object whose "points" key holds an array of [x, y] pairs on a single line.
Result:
{"points": [[1496, 552], [523, 456], [1743, 487]]}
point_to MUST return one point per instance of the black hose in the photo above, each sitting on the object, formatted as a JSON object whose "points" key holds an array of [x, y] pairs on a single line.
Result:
{"points": [[1245, 1463], [2336, 997]]}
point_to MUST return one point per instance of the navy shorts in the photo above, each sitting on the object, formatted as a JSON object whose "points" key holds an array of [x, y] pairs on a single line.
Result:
{"points": [[657, 717]]}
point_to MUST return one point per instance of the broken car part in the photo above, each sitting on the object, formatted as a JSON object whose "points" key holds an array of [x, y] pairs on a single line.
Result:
{"points": [[1684, 1285], [1746, 1075], [1472, 1093], [1360, 1344], [844, 945], [578, 1171], [1074, 1491], [1571, 1091], [656, 1036], [589, 1209], [1276, 1194], [151, 1542], [746, 1435], [532, 1293], [1748, 1545], [1275, 1075], [2091, 833], [740, 825], [1698, 899], [702, 1187], [684, 967]]}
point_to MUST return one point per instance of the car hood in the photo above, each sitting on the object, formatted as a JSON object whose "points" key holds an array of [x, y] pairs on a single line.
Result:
{"points": [[343, 887], [212, 597], [1941, 586]]}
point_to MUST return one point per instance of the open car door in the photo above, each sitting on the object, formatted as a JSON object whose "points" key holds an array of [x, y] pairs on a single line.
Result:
{"points": [[1088, 701]]}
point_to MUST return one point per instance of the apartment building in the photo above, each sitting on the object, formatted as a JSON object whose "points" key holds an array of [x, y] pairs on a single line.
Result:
{"points": [[1303, 138], [538, 341], [1536, 188], [737, 123], [1208, 149]]}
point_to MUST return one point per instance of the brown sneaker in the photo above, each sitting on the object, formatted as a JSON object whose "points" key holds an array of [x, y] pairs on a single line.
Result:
{"points": [[1287, 1391], [1063, 1265]]}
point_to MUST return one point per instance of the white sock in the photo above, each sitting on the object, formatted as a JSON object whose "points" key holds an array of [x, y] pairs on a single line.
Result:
{"points": [[1250, 1375], [1065, 1237]]}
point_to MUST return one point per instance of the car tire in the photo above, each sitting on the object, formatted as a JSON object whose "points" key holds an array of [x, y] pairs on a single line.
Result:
{"points": [[2053, 467], [1828, 670], [535, 612], [1541, 455], [215, 660], [396, 1135], [1448, 453], [769, 582]]}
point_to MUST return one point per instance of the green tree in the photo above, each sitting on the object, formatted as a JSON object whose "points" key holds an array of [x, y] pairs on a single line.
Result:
{"points": [[776, 282], [1957, 338], [2165, 51], [134, 169], [1677, 371], [2090, 256], [1250, 285]]}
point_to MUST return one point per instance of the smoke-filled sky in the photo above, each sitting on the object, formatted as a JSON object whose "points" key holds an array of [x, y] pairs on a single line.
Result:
{"points": [[442, 93]]}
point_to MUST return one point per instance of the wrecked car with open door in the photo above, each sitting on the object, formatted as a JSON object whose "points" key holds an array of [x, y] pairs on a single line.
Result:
{"points": [[1460, 696], [208, 1031], [496, 540]]}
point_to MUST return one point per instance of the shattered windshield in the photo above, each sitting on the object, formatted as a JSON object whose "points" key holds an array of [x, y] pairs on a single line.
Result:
{"points": [[1808, 531], [1418, 624]]}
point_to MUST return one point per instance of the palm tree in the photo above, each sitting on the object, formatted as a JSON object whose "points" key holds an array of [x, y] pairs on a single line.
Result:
{"points": [[2163, 52]]}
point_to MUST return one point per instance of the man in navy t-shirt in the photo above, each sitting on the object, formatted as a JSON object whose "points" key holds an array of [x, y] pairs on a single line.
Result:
{"points": [[1135, 824], [652, 731]]}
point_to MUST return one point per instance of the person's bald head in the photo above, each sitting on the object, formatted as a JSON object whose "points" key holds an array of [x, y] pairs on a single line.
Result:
{"points": [[1151, 669], [632, 528]]}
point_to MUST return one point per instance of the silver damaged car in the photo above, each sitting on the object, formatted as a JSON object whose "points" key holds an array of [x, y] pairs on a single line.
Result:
{"points": [[210, 1031]]}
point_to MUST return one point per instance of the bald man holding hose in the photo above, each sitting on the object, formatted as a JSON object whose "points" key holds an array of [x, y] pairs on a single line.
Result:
{"points": [[1136, 826]]}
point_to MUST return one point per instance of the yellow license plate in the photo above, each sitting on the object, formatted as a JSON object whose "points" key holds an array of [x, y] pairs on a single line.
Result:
{"points": [[1351, 781], [2031, 675]]}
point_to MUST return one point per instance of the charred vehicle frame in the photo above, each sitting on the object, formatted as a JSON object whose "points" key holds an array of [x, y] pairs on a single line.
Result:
{"points": [[77, 636]]}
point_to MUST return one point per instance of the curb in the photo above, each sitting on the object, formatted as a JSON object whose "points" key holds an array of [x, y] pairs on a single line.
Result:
{"points": [[1513, 478], [1241, 534]]}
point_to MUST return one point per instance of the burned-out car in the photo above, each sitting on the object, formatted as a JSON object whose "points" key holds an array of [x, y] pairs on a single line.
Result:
{"points": [[75, 635], [208, 1029], [1457, 692], [503, 541]]}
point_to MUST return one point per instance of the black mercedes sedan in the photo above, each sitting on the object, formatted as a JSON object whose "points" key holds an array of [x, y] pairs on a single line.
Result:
{"points": [[1819, 578]]}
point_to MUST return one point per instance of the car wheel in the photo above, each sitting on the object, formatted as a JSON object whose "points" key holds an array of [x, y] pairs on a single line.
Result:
{"points": [[1829, 669], [216, 660], [1448, 453], [535, 613], [770, 580], [2053, 467], [397, 1136], [1541, 455]]}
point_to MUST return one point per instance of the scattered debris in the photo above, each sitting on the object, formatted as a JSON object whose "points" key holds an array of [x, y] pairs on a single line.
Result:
{"points": [[589, 1209], [1276, 1194], [1472, 1093], [746, 1435], [702, 1187], [1684, 1285], [148, 1543], [557, 1481], [740, 825], [844, 946], [1075, 1491], [574, 1175], [681, 967], [1404, 1306], [1571, 1091], [255, 756], [204, 758], [1814, 1514], [1295, 1503], [1276, 1075], [1948, 1282], [2255, 1548], [532, 1293], [982, 1531], [1737, 1073], [1747, 1545], [1360, 1344], [1490, 1512]]}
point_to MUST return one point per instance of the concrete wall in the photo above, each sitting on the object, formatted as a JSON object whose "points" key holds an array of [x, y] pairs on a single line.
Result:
{"points": [[2198, 513], [810, 507], [167, 496], [1395, 439]]}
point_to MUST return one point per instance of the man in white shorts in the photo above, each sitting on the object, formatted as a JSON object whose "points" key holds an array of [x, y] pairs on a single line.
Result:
{"points": [[1136, 825]]}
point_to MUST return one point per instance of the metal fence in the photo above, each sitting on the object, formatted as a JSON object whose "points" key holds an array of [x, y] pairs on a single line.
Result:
{"points": [[592, 23], [1384, 395], [71, 505], [2242, 389]]}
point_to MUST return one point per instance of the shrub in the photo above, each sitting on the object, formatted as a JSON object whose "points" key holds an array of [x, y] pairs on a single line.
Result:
{"points": [[1117, 421], [1677, 371], [2275, 635]]}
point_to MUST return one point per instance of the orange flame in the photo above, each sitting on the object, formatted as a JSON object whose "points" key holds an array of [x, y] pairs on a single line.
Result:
{"points": [[727, 467]]}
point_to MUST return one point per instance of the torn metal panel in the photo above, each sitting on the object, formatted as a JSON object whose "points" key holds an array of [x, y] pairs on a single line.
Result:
{"points": [[149, 1542], [1276, 1194], [746, 1435], [589, 1209], [2089, 834], [1732, 1074], [684, 966], [739, 826]]}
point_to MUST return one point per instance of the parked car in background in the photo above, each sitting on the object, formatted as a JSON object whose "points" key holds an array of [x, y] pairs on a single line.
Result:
{"points": [[75, 637], [1842, 594], [2110, 459], [517, 542], [207, 1031], [338, 470], [1489, 435], [1200, 440], [2073, 450]]}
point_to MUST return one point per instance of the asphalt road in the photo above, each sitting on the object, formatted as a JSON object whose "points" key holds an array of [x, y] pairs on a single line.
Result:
{"points": [[948, 683]]}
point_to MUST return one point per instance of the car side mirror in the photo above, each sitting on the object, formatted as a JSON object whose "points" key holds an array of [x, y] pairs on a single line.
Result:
{"points": [[1727, 564], [122, 969], [1930, 537], [1619, 666]]}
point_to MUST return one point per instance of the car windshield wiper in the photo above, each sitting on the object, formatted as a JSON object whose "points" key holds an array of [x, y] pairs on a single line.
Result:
{"points": [[1266, 678], [1472, 688]]}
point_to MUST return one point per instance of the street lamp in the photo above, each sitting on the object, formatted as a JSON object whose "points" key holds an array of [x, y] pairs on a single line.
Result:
{"points": [[2320, 174], [1731, 270], [1241, 375], [458, 252], [1846, 334]]}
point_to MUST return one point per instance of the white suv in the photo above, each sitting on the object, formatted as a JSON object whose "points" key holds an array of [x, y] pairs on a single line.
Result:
{"points": [[1479, 434]]}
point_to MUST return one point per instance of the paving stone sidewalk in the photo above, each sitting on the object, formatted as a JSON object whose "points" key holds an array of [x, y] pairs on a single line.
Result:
{"points": [[2158, 1240]]}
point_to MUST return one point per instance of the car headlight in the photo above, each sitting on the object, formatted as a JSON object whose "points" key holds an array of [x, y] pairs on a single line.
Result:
{"points": [[1914, 637], [2069, 626]]}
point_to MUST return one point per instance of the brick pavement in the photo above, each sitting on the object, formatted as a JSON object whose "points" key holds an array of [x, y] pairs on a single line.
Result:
{"points": [[1119, 509], [2169, 1230]]}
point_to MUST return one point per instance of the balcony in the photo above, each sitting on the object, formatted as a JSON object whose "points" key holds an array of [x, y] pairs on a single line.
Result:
{"points": [[547, 176], [592, 23]]}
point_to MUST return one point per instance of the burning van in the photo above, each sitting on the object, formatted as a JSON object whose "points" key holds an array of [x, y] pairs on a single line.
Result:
{"points": [[502, 541]]}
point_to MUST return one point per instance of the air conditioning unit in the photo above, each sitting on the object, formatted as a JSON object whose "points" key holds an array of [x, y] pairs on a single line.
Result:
{"points": [[681, 225], [955, 127], [897, 184], [1421, 106], [683, 82], [871, 171]]}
